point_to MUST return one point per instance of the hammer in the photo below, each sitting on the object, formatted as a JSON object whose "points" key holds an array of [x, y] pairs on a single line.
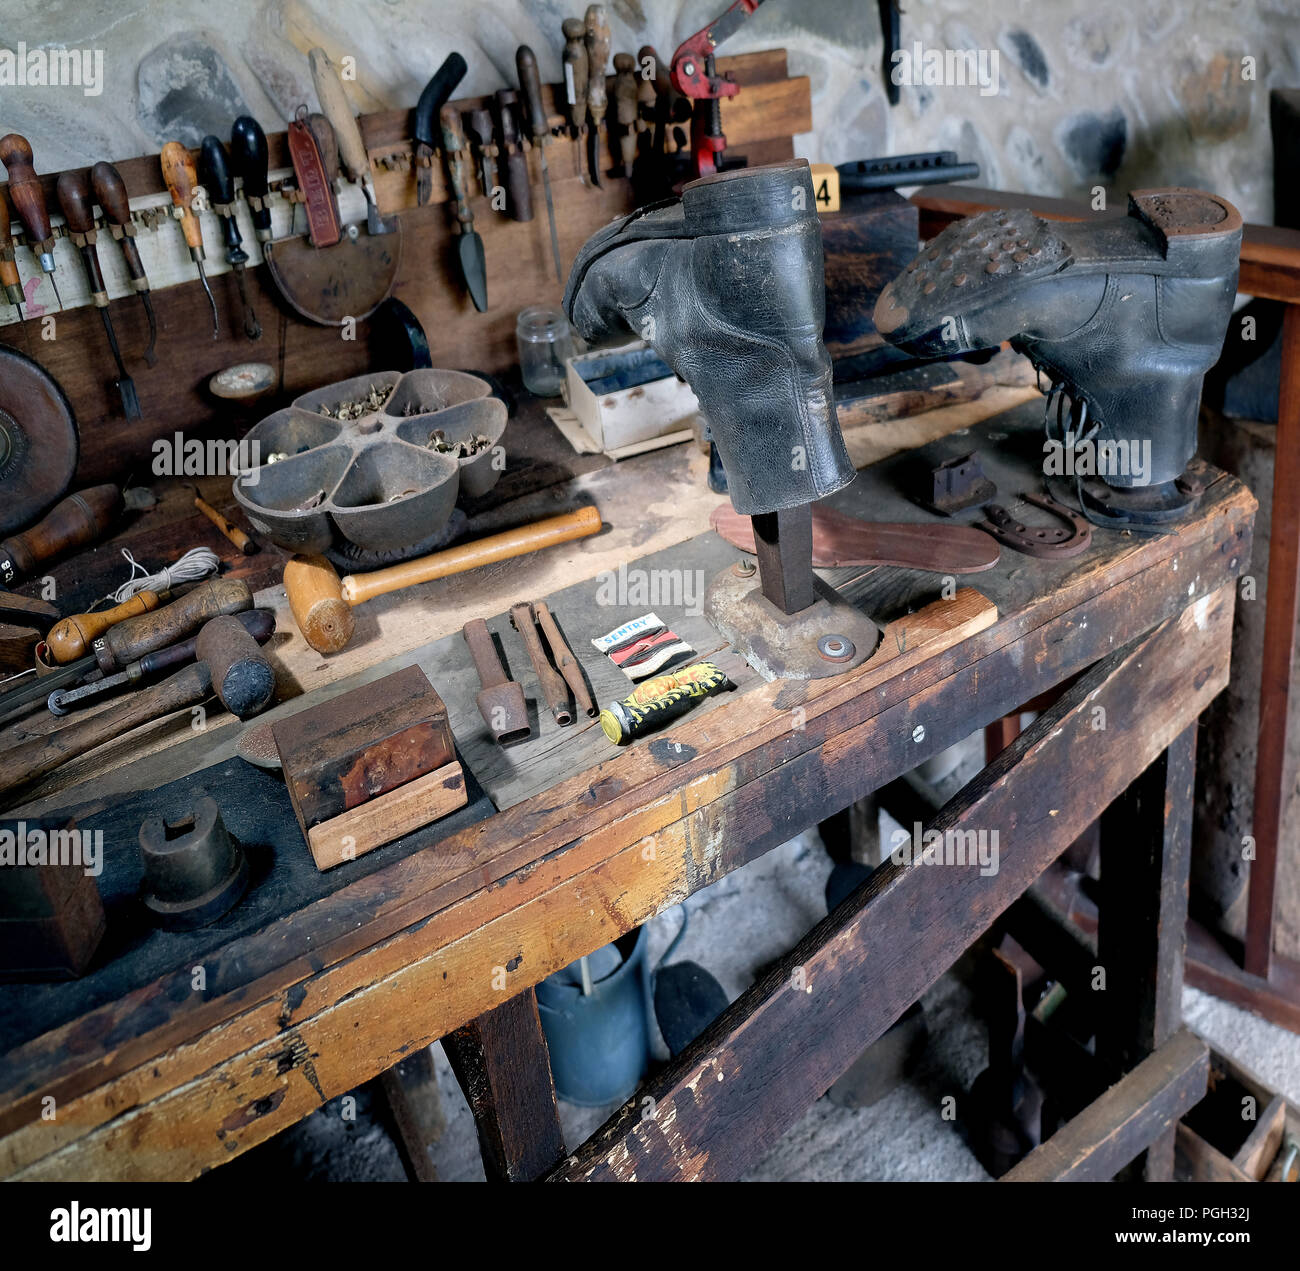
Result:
{"points": [[230, 665], [322, 602]]}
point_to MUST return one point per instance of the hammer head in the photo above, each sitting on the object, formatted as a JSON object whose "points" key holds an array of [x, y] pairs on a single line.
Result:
{"points": [[505, 712]]}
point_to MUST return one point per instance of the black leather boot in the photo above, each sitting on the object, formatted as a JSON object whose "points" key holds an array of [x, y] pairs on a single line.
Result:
{"points": [[1125, 314], [727, 284]]}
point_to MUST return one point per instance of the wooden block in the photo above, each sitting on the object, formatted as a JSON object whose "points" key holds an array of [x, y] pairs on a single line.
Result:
{"points": [[360, 745], [17, 647], [387, 818]]}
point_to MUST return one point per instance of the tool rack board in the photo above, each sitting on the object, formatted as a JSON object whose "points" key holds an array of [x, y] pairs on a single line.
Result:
{"points": [[162, 1081], [761, 122]]}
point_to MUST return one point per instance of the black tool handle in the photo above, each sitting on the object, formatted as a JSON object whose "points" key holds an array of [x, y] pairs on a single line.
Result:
{"points": [[259, 623], [530, 87], [110, 194], [927, 168], [215, 175], [251, 160], [437, 92]]}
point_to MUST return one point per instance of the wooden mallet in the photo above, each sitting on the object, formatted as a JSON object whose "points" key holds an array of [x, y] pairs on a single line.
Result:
{"points": [[322, 602]]}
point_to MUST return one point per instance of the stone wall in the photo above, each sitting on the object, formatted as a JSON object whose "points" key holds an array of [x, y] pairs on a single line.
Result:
{"points": [[1088, 94]]}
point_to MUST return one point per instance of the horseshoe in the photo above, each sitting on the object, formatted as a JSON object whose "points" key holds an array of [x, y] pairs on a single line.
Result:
{"points": [[1050, 542]]}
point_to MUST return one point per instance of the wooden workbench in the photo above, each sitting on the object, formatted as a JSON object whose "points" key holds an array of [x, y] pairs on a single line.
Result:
{"points": [[153, 1079]]}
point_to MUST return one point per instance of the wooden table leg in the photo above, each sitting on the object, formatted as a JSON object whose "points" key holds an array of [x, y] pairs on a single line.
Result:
{"points": [[504, 1068], [1146, 837], [411, 1088], [1278, 655]]}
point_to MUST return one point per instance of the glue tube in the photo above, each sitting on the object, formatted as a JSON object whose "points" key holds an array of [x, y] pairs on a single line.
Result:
{"points": [[659, 700]]}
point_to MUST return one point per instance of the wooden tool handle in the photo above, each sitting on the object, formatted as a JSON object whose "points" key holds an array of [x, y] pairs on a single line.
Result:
{"points": [[72, 638], [575, 70], [454, 148], [182, 180], [32, 759], [8, 267], [598, 42], [77, 520], [487, 663], [110, 194], [485, 551], [327, 143], [131, 640], [553, 686], [530, 88], [334, 102], [25, 190], [73, 191], [565, 660], [316, 600], [232, 532]]}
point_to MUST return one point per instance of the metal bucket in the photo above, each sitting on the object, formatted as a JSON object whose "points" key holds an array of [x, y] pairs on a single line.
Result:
{"points": [[599, 1042]]}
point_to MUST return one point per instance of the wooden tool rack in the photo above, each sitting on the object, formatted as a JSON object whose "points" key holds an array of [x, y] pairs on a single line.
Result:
{"points": [[446, 937]]}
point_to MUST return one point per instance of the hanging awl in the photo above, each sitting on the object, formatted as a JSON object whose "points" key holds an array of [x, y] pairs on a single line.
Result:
{"points": [[469, 246], [28, 198], [8, 266], [437, 93], [214, 172], [575, 85], [182, 182], [73, 190], [251, 159], [110, 194], [538, 127], [598, 41]]}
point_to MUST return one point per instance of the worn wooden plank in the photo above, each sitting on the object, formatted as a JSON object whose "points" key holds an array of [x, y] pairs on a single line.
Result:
{"points": [[729, 1098], [504, 1068], [1110, 1132], [1146, 849], [411, 1089]]}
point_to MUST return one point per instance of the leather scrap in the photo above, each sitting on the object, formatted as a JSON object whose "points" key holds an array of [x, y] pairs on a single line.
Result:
{"points": [[844, 540], [323, 225]]}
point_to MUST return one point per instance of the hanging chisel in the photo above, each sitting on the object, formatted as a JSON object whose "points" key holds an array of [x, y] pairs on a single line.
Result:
{"points": [[352, 149], [538, 128], [469, 246], [480, 130], [8, 267], [437, 93], [575, 84], [519, 190], [625, 108], [182, 181], [597, 36], [29, 202], [75, 201], [110, 194], [214, 172], [251, 159]]}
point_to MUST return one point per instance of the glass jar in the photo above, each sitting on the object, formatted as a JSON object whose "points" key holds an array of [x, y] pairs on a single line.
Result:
{"points": [[545, 343]]}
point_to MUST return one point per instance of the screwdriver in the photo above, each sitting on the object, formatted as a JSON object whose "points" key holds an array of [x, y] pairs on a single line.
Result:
{"points": [[598, 41], [29, 201], [575, 83], [215, 174], [73, 190], [110, 194], [182, 181], [538, 128], [8, 268], [251, 159]]}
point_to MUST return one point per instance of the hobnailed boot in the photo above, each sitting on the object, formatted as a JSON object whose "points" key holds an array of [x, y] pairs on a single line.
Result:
{"points": [[1125, 315], [727, 284]]}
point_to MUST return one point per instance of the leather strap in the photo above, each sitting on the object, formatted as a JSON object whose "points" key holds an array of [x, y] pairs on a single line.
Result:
{"points": [[323, 225]]}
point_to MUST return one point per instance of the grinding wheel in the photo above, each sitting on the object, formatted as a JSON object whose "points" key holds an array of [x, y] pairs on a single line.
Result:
{"points": [[38, 440]]}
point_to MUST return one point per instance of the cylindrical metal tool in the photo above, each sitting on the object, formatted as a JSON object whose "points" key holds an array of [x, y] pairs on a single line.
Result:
{"points": [[553, 685], [194, 871], [241, 675], [565, 660], [501, 701]]}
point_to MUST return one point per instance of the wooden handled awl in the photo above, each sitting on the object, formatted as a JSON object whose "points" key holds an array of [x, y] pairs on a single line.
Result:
{"points": [[322, 602], [72, 637], [110, 194], [182, 181], [28, 199]]}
